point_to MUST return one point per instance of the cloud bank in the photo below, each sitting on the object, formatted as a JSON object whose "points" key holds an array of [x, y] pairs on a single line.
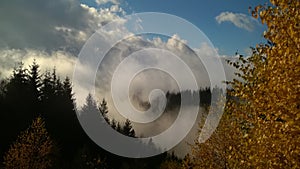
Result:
{"points": [[51, 26]]}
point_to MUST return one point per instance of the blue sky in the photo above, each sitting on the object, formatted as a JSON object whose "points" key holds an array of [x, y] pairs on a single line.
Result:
{"points": [[225, 36]]}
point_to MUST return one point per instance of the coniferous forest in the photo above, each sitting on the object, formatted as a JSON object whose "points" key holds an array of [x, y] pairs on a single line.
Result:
{"points": [[39, 110]]}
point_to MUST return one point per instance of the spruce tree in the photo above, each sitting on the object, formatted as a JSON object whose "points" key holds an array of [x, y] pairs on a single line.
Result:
{"points": [[128, 129], [104, 110], [113, 124]]}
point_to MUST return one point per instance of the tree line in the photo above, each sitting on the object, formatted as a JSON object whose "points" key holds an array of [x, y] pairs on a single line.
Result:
{"points": [[30, 102], [42, 104]]}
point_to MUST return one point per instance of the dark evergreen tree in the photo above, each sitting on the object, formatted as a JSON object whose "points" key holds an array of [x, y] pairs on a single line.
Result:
{"points": [[34, 86], [128, 129], [119, 128], [113, 124], [3, 83], [60, 114], [90, 104], [35, 78], [104, 110], [74, 134], [205, 97], [47, 89], [90, 116], [19, 104], [3, 115]]}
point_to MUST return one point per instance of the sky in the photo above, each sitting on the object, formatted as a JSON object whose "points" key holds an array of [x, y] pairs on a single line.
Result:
{"points": [[204, 13], [58, 33], [63, 26], [54, 32]]}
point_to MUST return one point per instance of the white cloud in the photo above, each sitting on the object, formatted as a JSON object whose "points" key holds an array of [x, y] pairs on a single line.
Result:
{"points": [[115, 8], [100, 2], [102, 16], [63, 61], [70, 35], [238, 19]]}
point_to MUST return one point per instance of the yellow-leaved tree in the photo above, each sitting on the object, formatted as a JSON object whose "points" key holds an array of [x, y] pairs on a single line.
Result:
{"points": [[269, 92], [215, 152], [32, 149], [261, 124]]}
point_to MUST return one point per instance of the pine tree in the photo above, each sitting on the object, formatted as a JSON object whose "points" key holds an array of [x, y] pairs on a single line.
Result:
{"points": [[113, 124], [90, 114], [35, 79], [104, 110], [47, 88], [128, 129], [59, 109], [34, 87], [119, 128], [19, 105], [89, 106]]}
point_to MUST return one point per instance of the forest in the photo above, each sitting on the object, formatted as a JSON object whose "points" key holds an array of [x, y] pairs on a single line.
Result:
{"points": [[46, 109], [260, 127]]}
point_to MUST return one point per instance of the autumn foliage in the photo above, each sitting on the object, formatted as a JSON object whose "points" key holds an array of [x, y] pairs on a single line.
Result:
{"points": [[261, 124], [32, 149]]}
